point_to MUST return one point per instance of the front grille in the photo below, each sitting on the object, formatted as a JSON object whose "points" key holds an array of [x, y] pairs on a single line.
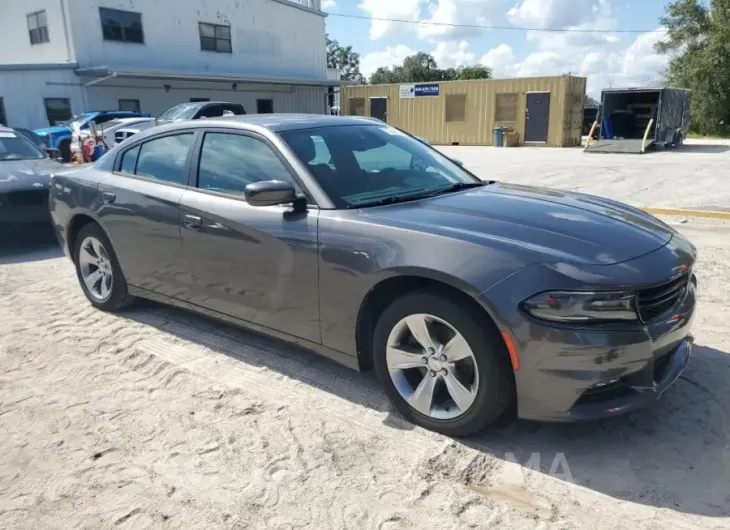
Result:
{"points": [[28, 198], [655, 301]]}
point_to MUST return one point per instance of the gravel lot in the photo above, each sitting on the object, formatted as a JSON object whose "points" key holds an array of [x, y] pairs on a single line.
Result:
{"points": [[694, 176], [156, 418]]}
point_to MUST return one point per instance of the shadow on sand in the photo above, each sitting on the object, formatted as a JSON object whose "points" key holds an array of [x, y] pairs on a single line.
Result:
{"points": [[19, 245], [672, 455]]}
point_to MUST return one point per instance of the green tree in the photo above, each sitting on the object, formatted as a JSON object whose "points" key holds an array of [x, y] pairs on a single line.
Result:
{"points": [[591, 102], [474, 72], [344, 59], [698, 42], [422, 68]]}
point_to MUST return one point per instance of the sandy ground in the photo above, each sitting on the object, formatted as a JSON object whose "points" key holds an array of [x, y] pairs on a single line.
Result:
{"points": [[156, 418], [695, 176]]}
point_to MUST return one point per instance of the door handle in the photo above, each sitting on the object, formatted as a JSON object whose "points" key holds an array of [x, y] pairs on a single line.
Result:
{"points": [[193, 222], [108, 198]]}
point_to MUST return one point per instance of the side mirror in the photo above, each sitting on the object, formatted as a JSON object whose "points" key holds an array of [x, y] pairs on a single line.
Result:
{"points": [[52, 152], [270, 193], [457, 162]]}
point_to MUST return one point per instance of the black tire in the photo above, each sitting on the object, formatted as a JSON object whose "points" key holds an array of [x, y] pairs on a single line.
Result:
{"points": [[65, 148], [496, 391], [119, 297]]}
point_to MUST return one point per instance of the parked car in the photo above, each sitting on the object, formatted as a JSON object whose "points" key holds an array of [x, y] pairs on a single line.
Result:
{"points": [[60, 135], [33, 137], [185, 112], [469, 298], [25, 175], [110, 128], [125, 132]]}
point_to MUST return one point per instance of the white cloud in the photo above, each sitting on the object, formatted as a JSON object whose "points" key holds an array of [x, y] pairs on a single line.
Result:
{"points": [[328, 4], [451, 54], [470, 12], [393, 9], [556, 13], [391, 56], [500, 60]]}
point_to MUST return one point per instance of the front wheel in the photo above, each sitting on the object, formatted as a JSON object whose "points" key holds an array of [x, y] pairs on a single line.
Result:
{"points": [[98, 270], [444, 366]]}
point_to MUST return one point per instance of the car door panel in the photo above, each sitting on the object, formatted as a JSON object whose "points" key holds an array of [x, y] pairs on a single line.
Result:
{"points": [[258, 264], [140, 209], [143, 224]]}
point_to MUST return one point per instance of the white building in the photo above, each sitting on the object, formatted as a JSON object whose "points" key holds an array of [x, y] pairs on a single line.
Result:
{"points": [[60, 58]]}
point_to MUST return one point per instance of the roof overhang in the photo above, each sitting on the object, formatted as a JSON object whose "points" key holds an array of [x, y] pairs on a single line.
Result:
{"points": [[163, 75]]}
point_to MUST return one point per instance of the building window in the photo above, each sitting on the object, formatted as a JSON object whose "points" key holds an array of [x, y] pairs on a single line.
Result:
{"points": [[455, 108], [357, 106], [38, 28], [264, 106], [130, 105], [57, 110], [215, 38], [506, 108], [122, 26], [3, 118]]}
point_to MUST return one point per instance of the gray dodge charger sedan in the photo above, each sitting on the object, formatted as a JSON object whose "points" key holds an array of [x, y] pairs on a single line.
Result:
{"points": [[471, 299]]}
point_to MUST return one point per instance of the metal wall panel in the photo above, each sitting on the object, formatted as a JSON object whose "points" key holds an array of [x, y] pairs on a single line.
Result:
{"points": [[425, 115]]}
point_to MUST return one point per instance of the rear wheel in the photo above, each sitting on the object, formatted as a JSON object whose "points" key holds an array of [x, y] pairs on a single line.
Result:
{"points": [[98, 270], [444, 367]]}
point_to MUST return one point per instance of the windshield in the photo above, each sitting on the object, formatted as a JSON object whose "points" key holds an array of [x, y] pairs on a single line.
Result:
{"points": [[184, 111], [366, 165], [81, 118], [17, 147]]}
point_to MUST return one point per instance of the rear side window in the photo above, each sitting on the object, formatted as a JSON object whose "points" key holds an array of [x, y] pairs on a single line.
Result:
{"points": [[129, 160], [164, 158], [229, 162]]}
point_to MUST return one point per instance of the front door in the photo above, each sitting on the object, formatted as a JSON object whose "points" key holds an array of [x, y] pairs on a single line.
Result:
{"points": [[379, 108], [258, 264], [537, 116]]}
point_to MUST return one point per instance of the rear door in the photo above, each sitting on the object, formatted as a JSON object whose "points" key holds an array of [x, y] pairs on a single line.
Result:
{"points": [[140, 210], [257, 264]]}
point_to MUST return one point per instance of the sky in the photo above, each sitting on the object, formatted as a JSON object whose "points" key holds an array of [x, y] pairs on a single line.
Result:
{"points": [[606, 59]]}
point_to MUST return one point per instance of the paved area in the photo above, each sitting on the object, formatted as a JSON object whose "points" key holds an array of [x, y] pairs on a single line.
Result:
{"points": [[696, 176], [156, 418]]}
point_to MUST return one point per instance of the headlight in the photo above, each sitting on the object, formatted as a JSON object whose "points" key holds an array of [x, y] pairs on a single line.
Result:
{"points": [[576, 306]]}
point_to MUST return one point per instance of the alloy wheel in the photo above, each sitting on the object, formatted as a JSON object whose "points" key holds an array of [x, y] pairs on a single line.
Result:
{"points": [[432, 366], [96, 269]]}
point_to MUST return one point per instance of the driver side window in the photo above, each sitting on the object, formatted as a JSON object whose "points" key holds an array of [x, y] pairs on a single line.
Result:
{"points": [[229, 162]]}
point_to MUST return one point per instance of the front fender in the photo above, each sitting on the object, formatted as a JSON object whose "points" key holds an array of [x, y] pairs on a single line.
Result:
{"points": [[355, 256]]}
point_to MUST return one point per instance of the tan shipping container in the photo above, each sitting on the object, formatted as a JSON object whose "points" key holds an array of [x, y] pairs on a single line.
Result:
{"points": [[466, 112]]}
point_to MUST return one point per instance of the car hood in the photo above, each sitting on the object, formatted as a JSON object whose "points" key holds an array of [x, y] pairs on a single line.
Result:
{"points": [[546, 225], [51, 131], [17, 175]]}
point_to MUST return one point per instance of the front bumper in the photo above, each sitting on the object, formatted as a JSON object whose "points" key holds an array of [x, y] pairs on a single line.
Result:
{"points": [[24, 208], [573, 372]]}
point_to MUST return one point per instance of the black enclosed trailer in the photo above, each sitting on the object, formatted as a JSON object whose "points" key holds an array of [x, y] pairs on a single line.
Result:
{"points": [[635, 120]]}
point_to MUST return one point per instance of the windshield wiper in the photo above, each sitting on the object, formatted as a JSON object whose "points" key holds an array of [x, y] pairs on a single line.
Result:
{"points": [[457, 187]]}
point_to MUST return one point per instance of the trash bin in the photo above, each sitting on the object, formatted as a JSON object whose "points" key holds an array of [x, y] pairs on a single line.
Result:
{"points": [[498, 136]]}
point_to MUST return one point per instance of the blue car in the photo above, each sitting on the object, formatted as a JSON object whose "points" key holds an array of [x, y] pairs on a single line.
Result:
{"points": [[59, 137]]}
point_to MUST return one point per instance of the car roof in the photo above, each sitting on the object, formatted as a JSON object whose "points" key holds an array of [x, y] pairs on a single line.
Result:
{"points": [[291, 122]]}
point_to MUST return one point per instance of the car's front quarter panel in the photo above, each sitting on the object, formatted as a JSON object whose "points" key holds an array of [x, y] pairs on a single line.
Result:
{"points": [[358, 252]]}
